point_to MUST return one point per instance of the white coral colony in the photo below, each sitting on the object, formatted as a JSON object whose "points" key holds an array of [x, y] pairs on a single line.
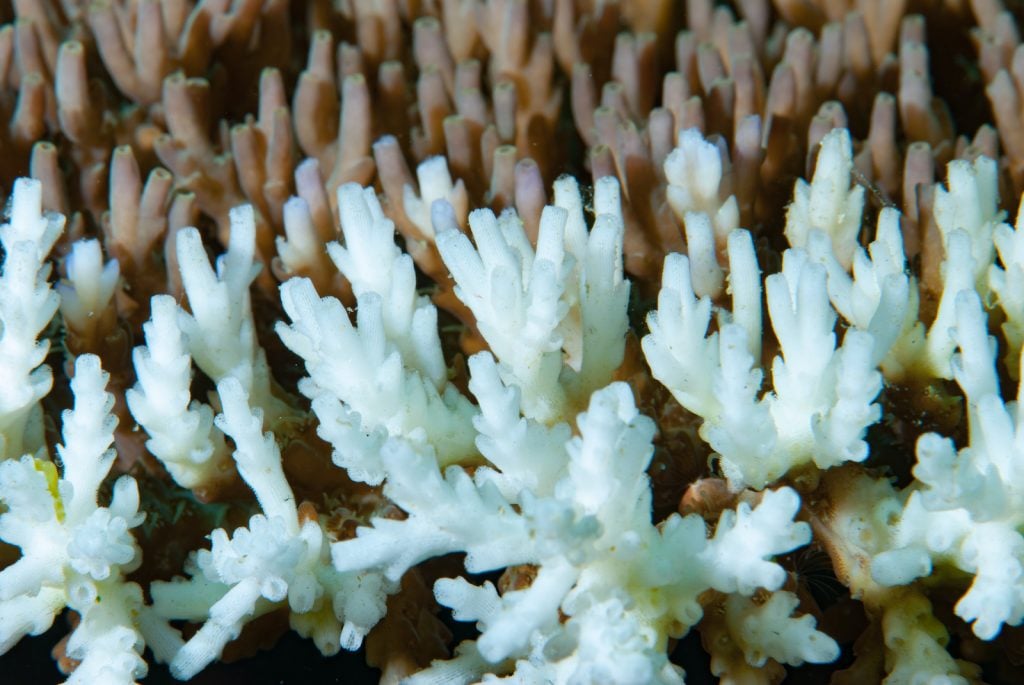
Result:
{"points": [[538, 455]]}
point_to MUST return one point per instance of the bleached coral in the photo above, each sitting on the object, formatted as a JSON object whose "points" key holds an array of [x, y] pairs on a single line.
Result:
{"points": [[857, 530], [767, 632], [694, 171], [276, 560], [624, 585], [580, 509], [220, 331], [822, 399], [181, 433], [27, 303], [969, 510], [74, 552], [385, 375], [533, 456], [967, 216], [876, 295], [828, 203], [1007, 285], [90, 285], [971, 204], [435, 183], [529, 301]]}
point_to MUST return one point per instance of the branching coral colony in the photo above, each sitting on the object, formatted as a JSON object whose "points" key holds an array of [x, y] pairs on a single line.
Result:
{"points": [[603, 375]]}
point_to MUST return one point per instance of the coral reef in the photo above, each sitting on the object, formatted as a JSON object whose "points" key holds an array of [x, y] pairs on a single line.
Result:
{"points": [[631, 342]]}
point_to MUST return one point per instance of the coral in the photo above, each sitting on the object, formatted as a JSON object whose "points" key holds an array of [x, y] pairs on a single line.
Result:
{"points": [[74, 552], [596, 333]]}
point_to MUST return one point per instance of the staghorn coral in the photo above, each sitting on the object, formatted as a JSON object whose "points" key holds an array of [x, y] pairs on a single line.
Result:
{"points": [[532, 289]]}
